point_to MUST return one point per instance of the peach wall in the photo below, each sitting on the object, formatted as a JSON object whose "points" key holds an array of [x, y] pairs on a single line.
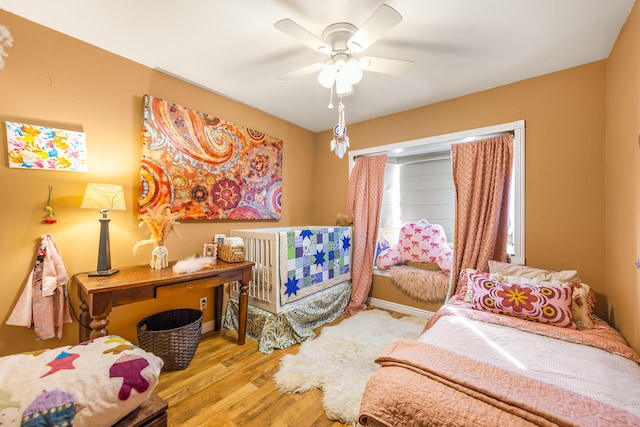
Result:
{"points": [[54, 80], [565, 132], [623, 181]]}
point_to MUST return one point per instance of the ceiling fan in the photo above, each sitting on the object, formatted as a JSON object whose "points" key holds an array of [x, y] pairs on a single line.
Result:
{"points": [[342, 41]]}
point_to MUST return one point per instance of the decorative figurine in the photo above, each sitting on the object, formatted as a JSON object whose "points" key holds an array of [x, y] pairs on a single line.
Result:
{"points": [[50, 216]]}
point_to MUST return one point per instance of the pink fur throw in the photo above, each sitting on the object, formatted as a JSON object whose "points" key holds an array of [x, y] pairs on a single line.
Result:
{"points": [[425, 285]]}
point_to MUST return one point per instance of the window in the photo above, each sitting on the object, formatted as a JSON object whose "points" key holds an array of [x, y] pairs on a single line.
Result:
{"points": [[419, 184], [417, 187]]}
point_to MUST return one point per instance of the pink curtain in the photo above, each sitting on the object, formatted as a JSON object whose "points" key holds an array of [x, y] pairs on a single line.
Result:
{"points": [[364, 199], [482, 177]]}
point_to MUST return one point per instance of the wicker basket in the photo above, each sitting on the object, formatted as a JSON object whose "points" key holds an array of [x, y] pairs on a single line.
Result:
{"points": [[172, 335], [231, 253]]}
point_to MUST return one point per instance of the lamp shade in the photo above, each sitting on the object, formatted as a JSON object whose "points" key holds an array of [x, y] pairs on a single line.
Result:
{"points": [[109, 197]]}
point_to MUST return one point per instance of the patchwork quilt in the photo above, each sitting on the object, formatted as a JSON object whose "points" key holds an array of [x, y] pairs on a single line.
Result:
{"points": [[94, 383], [313, 259]]}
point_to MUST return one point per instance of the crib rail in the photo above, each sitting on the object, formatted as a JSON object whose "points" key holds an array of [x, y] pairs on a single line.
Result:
{"points": [[261, 248]]}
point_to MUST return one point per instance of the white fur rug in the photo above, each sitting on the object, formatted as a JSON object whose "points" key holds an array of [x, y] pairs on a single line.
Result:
{"points": [[341, 360]]}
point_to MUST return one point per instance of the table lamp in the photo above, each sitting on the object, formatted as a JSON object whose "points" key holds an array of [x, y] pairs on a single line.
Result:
{"points": [[105, 197]]}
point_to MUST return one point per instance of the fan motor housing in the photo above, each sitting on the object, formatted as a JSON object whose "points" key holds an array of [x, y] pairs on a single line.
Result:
{"points": [[336, 35]]}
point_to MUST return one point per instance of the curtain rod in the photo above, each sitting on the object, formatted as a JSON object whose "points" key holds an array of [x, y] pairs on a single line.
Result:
{"points": [[452, 141]]}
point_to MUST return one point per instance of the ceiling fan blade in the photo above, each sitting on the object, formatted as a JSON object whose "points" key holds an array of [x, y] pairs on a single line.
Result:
{"points": [[385, 65], [302, 71], [294, 30], [382, 20]]}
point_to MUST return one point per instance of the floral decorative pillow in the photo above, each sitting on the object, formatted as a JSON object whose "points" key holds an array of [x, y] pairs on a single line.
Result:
{"points": [[583, 296], [543, 304]]}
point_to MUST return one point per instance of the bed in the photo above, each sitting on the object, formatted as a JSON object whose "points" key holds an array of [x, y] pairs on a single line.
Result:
{"points": [[301, 280], [488, 366]]}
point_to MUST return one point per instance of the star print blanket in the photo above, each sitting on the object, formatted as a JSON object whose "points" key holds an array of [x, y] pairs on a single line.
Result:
{"points": [[94, 383], [313, 259]]}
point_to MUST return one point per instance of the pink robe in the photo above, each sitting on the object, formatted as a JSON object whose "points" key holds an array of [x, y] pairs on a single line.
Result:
{"points": [[44, 305]]}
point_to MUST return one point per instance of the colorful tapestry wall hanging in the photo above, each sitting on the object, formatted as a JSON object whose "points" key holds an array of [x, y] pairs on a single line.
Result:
{"points": [[207, 168], [41, 147]]}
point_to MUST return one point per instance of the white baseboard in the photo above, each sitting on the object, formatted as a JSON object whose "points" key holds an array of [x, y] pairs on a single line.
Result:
{"points": [[207, 326], [399, 308]]}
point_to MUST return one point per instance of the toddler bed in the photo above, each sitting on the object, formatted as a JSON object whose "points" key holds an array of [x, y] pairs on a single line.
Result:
{"points": [[301, 280], [480, 363]]}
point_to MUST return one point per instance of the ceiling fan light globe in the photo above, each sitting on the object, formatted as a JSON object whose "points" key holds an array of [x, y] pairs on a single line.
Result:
{"points": [[352, 72], [343, 86], [327, 76]]}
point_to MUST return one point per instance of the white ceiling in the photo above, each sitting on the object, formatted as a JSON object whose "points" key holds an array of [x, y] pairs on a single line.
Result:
{"points": [[231, 47]]}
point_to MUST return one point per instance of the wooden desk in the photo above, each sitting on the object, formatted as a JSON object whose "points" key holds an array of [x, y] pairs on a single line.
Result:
{"points": [[99, 295]]}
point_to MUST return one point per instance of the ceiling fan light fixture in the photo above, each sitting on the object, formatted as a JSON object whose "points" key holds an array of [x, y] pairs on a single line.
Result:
{"points": [[344, 87], [328, 75], [352, 71]]}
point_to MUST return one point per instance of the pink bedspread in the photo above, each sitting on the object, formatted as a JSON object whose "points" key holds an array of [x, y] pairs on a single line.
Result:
{"points": [[422, 384]]}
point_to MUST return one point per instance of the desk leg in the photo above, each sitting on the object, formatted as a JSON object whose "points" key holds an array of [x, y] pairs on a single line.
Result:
{"points": [[217, 306], [85, 318], [243, 307], [99, 326], [94, 309]]}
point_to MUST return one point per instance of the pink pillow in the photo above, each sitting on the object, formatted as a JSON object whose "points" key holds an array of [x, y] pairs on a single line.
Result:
{"points": [[445, 259], [421, 241], [543, 304], [388, 258]]}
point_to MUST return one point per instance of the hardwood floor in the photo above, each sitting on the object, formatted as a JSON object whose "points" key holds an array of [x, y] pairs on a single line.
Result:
{"points": [[231, 385]]}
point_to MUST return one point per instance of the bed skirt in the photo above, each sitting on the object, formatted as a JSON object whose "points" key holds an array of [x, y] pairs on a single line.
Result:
{"points": [[293, 326]]}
